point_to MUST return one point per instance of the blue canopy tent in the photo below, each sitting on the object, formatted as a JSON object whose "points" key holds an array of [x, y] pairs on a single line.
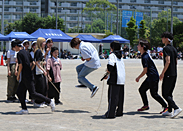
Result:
{"points": [[55, 34], [20, 35], [112, 38], [88, 38], [3, 38]]}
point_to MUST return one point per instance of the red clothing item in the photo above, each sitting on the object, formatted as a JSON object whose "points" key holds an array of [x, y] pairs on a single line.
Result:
{"points": [[161, 54], [56, 67]]}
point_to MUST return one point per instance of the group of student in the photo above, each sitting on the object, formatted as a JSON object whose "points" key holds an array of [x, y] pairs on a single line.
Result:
{"points": [[115, 74], [37, 71]]}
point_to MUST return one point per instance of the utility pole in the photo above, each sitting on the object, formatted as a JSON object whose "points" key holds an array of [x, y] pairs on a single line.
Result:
{"points": [[117, 18], [2, 18], [172, 17], [56, 12], [22, 9]]}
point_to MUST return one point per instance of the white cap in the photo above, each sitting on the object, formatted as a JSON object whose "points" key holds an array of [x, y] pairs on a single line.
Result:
{"points": [[33, 42], [48, 39], [13, 40], [24, 41]]}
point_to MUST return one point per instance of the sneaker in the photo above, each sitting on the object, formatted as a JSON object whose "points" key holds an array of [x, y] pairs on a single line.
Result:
{"points": [[80, 86], [21, 112], [58, 103], [10, 99], [94, 91], [143, 108], [176, 112], [167, 113], [165, 109], [42, 105], [52, 105], [26, 101]]}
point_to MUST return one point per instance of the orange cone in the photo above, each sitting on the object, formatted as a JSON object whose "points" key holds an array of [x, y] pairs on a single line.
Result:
{"points": [[2, 63]]}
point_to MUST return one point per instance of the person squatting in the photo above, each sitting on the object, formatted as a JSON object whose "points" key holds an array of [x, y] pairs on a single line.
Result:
{"points": [[28, 76]]}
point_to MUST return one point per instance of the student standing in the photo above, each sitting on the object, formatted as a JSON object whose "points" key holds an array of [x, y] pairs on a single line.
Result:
{"points": [[53, 67], [49, 44], [169, 74], [12, 67], [26, 65], [25, 43], [40, 80], [152, 80], [92, 62], [116, 81], [33, 47]]}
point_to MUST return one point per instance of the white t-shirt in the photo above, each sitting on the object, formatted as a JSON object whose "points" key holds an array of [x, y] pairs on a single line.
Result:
{"points": [[87, 50], [32, 54], [120, 68], [12, 55]]}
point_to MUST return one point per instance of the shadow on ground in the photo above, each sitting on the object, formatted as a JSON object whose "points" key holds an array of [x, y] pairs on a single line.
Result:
{"points": [[75, 111], [14, 113]]}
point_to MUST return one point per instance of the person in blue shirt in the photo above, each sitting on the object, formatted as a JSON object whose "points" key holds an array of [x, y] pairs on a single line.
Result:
{"points": [[152, 80]]}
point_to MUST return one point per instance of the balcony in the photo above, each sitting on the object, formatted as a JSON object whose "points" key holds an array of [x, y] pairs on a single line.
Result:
{"points": [[26, 3], [154, 2], [12, 10], [12, 3], [52, 4], [65, 4], [26, 10], [180, 16]]}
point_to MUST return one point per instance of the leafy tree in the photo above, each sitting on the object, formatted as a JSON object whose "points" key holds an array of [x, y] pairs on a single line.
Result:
{"points": [[107, 33], [160, 25], [178, 35], [97, 26], [131, 30], [143, 29]]}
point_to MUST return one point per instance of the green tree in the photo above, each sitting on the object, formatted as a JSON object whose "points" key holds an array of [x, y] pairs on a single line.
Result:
{"points": [[107, 33], [178, 35], [97, 27], [160, 25], [143, 30], [131, 30]]}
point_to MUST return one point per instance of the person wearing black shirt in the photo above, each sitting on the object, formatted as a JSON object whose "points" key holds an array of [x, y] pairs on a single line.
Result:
{"points": [[169, 74], [116, 82], [26, 65], [152, 80]]}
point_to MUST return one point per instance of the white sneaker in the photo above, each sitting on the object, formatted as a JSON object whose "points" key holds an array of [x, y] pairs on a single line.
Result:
{"points": [[94, 91], [176, 112], [52, 105], [167, 113], [21, 112], [42, 105]]}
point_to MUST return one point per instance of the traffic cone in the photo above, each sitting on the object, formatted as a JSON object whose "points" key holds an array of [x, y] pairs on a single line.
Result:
{"points": [[2, 63]]}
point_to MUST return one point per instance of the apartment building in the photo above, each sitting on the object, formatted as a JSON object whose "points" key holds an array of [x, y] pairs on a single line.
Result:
{"points": [[71, 10]]}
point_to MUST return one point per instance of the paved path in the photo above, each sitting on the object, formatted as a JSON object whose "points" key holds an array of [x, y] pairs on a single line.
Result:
{"points": [[79, 110]]}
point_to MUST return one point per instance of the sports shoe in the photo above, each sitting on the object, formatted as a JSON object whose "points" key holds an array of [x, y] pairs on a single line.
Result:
{"points": [[58, 103], [143, 108], [21, 112], [165, 109], [94, 91], [52, 105], [167, 113], [176, 112]]}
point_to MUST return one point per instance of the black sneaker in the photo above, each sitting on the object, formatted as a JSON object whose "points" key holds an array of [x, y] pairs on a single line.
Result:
{"points": [[94, 91], [80, 86], [58, 103], [10, 99]]}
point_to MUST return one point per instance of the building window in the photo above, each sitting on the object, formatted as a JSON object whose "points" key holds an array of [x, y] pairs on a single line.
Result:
{"points": [[175, 3], [6, 16], [175, 9], [19, 2], [147, 1], [160, 8], [73, 24], [175, 15], [119, 0], [147, 7], [74, 4], [161, 2], [132, 7], [18, 8], [33, 3], [18, 16], [120, 6], [147, 13], [6, 9], [132, 0], [73, 18], [33, 9], [73, 11]]}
